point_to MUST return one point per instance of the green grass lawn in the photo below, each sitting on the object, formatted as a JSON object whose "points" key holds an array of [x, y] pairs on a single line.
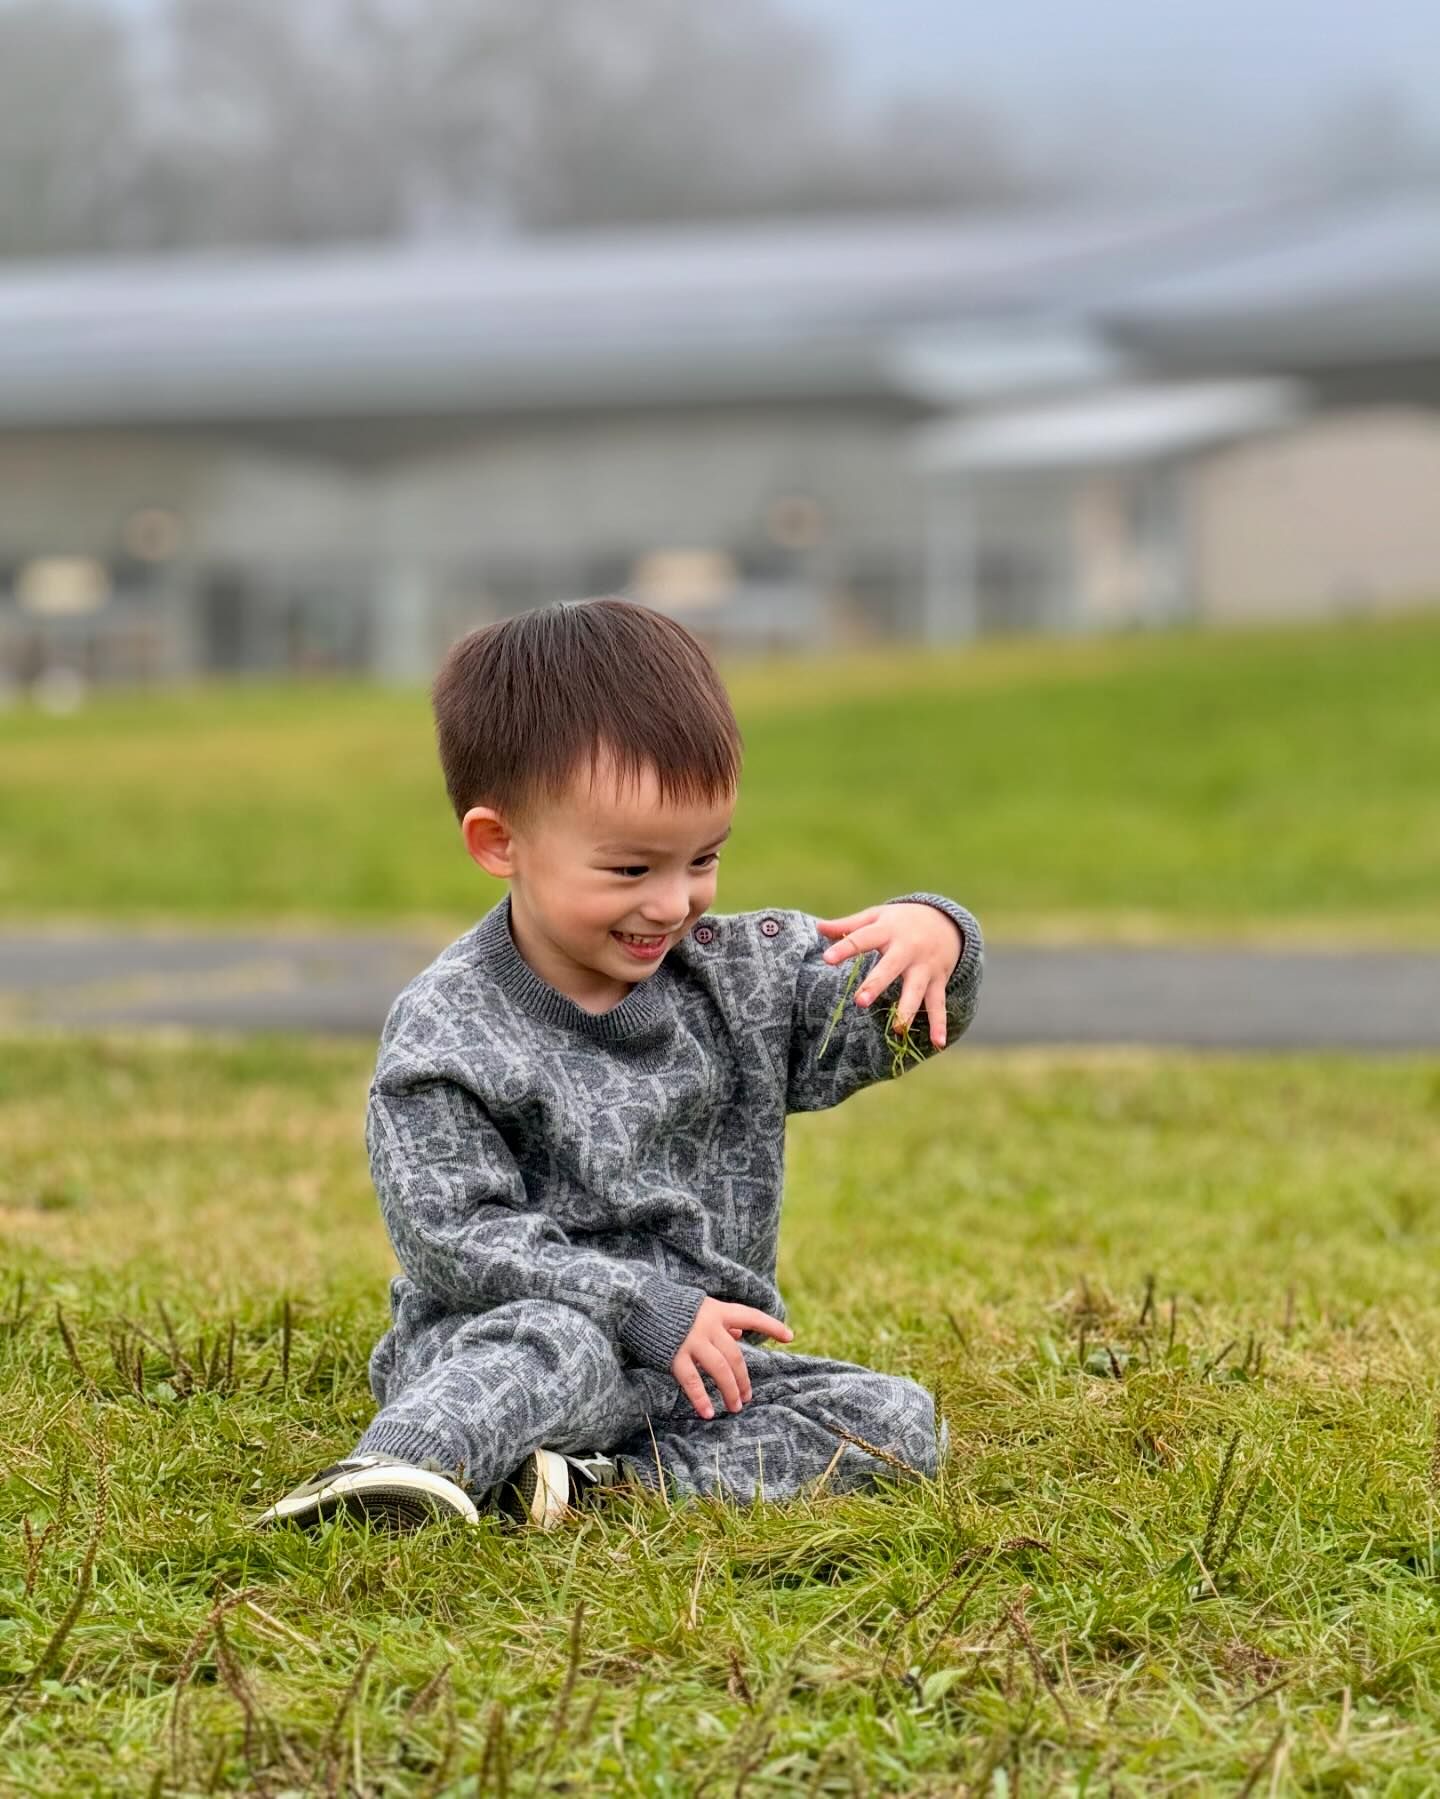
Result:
{"points": [[1185, 1540], [1281, 784]]}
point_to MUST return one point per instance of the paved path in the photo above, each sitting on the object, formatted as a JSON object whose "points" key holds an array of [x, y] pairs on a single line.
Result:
{"points": [[1215, 998]]}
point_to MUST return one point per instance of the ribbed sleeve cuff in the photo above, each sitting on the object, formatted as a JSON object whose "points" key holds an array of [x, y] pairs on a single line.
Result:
{"points": [[659, 1321]]}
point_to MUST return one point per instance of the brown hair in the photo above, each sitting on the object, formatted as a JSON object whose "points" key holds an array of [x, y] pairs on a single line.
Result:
{"points": [[522, 704]]}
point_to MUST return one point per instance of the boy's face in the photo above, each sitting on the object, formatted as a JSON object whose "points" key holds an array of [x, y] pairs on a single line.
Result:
{"points": [[603, 865]]}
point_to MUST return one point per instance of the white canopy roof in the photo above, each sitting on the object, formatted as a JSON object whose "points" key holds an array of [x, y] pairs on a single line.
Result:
{"points": [[1119, 425]]}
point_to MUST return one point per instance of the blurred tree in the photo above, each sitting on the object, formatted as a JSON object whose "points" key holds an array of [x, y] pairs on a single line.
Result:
{"points": [[329, 119], [274, 121], [67, 127], [653, 110]]}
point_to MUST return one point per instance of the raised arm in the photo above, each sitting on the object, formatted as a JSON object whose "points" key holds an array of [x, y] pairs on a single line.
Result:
{"points": [[462, 1226], [857, 1054]]}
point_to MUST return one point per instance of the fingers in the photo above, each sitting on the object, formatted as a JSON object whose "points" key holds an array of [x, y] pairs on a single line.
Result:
{"points": [[713, 1350], [717, 1364], [742, 1373], [834, 926], [854, 938], [935, 1008], [889, 968], [912, 991], [691, 1385], [749, 1319]]}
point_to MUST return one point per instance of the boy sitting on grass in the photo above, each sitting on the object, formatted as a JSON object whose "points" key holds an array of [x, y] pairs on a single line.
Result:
{"points": [[576, 1126]]}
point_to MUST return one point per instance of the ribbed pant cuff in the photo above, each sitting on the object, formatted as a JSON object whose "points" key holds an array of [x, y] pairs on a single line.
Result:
{"points": [[410, 1445], [642, 1470]]}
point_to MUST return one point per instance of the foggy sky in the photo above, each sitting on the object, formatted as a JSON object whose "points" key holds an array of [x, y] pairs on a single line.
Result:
{"points": [[1202, 83]]}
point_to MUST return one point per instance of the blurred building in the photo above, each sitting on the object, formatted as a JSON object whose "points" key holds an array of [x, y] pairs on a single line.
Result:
{"points": [[787, 435], [1207, 503]]}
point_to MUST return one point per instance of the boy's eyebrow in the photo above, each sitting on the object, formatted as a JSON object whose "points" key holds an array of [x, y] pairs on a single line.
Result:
{"points": [[631, 849]]}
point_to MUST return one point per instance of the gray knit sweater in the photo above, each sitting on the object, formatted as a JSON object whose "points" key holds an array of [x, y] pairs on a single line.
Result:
{"points": [[626, 1163]]}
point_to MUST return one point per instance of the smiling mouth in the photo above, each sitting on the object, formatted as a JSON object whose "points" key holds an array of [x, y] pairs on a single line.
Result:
{"points": [[640, 942]]}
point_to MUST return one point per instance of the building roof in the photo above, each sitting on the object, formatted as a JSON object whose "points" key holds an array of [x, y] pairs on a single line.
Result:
{"points": [[1352, 285], [763, 311], [929, 311]]}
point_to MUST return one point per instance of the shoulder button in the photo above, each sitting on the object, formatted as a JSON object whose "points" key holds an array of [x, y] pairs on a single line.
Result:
{"points": [[703, 933], [770, 927]]}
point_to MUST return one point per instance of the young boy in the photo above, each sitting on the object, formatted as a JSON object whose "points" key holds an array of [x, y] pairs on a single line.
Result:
{"points": [[576, 1126]]}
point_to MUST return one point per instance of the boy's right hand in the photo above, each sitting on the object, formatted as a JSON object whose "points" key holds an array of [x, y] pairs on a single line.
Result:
{"points": [[713, 1346]]}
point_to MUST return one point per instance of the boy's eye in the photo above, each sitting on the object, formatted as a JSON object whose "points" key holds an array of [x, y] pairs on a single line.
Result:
{"points": [[699, 862]]}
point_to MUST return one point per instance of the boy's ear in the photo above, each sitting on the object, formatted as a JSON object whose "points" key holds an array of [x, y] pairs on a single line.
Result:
{"points": [[488, 841]]}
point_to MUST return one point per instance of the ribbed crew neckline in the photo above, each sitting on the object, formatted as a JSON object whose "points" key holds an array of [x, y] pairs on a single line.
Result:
{"points": [[641, 1010]]}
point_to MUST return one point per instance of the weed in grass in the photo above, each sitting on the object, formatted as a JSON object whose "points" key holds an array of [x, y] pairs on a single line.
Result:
{"points": [[1209, 1558], [71, 1350], [83, 1579], [17, 1315]]}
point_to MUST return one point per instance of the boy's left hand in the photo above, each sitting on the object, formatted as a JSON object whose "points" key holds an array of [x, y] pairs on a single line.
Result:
{"points": [[916, 941]]}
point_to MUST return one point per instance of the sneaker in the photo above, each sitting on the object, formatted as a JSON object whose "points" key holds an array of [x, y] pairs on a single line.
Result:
{"points": [[399, 1495], [547, 1486]]}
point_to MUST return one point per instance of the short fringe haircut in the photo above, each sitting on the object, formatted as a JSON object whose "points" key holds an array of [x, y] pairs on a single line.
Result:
{"points": [[523, 705]]}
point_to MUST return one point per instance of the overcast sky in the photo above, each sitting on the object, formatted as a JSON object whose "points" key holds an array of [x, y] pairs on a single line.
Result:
{"points": [[1164, 91], [1206, 77]]}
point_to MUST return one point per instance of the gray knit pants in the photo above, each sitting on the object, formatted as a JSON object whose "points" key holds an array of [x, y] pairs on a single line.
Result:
{"points": [[478, 1392]]}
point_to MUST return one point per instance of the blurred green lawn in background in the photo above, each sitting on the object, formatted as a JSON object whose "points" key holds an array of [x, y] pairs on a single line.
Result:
{"points": [[1091, 1599], [1279, 783]]}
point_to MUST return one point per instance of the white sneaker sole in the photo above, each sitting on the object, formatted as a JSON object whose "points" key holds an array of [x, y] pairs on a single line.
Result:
{"points": [[550, 1502], [400, 1499]]}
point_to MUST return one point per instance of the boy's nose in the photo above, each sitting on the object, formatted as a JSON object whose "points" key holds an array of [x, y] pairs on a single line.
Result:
{"points": [[668, 911]]}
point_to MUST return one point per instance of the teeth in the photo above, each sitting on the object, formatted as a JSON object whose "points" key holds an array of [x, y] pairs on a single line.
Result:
{"points": [[640, 942]]}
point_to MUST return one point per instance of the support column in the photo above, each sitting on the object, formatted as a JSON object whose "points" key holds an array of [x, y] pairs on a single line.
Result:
{"points": [[174, 609], [951, 600], [402, 593], [403, 613]]}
